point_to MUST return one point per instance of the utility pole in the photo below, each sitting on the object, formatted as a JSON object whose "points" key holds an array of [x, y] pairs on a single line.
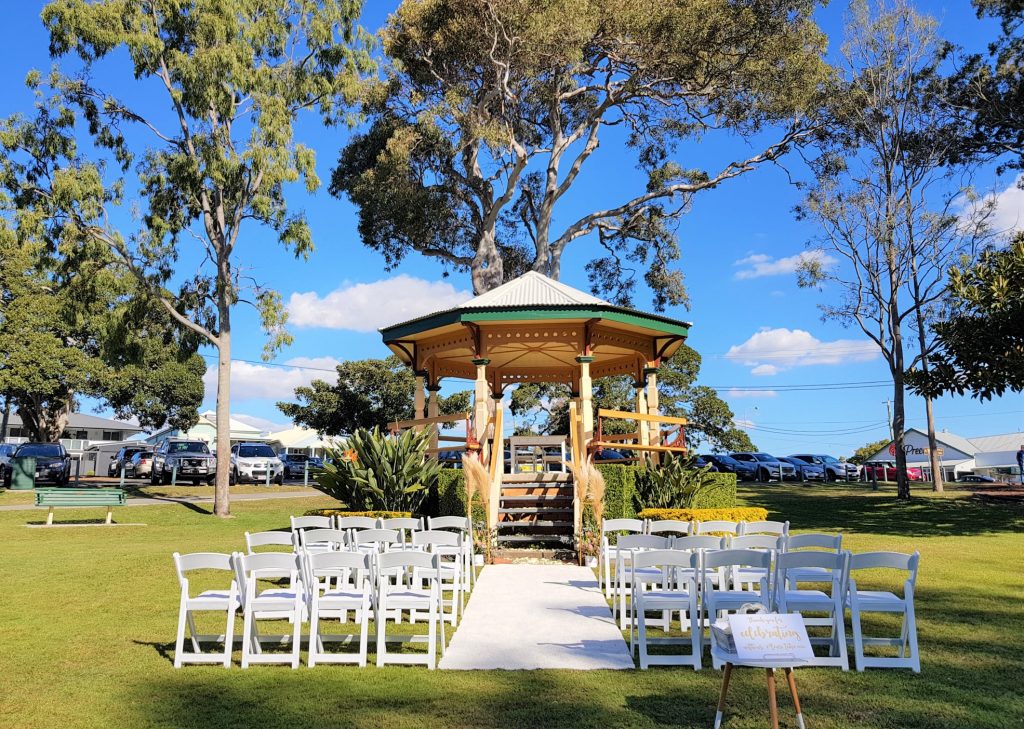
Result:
{"points": [[888, 412]]}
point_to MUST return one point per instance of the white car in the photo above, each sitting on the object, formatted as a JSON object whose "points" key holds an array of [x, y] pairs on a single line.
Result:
{"points": [[253, 461]]}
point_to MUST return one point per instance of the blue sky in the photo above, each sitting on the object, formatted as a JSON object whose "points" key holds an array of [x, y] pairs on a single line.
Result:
{"points": [[753, 326]]}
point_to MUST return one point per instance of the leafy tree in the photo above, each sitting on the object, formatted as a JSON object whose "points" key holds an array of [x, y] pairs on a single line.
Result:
{"points": [[545, 407], [866, 451], [490, 111], [982, 341], [369, 393], [211, 140], [886, 207]]}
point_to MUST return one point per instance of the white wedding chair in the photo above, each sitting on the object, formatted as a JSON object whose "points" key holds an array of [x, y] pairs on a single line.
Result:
{"points": [[749, 577], [221, 600], [778, 528], [879, 601], [725, 594], [675, 590], [322, 540], [404, 525], [789, 597], [312, 522], [394, 570], [731, 528], [271, 603], [356, 523], [448, 547], [626, 547], [672, 527], [376, 540], [605, 555], [832, 543], [463, 525], [340, 582], [254, 540]]}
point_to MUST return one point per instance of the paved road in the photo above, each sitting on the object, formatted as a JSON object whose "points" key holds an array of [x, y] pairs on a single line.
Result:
{"points": [[157, 500]]}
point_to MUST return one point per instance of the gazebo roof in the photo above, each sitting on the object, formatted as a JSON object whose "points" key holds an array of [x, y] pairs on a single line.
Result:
{"points": [[533, 328]]}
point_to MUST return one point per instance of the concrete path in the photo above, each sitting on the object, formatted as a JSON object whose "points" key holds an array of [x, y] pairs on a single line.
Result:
{"points": [[157, 500], [537, 616]]}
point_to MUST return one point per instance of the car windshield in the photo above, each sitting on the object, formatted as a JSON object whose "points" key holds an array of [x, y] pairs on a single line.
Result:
{"points": [[188, 447], [764, 457], [298, 457], [256, 451], [721, 459], [42, 450], [829, 459]]}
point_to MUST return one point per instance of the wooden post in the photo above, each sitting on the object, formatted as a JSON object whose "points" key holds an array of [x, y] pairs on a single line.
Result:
{"points": [[418, 408], [110, 514], [481, 395], [586, 407], [773, 707], [432, 411], [641, 409], [654, 429]]}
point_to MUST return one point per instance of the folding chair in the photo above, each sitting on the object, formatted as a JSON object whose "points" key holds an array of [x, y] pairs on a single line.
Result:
{"points": [[356, 523], [340, 581], [464, 525], [254, 540], [877, 601], [778, 528], [322, 540], [749, 577], [375, 540], [675, 590], [727, 595], [448, 547], [312, 522], [219, 600], [790, 598], [625, 547], [810, 543], [673, 527], [273, 603], [403, 525], [604, 556], [394, 595], [714, 527]]}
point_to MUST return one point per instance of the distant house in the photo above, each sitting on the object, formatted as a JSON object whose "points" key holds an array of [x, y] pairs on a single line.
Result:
{"points": [[206, 430], [991, 455], [82, 431], [300, 440]]}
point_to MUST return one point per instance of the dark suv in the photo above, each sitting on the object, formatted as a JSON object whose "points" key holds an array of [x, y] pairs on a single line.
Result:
{"points": [[767, 466], [728, 464], [53, 463], [192, 458], [123, 457]]}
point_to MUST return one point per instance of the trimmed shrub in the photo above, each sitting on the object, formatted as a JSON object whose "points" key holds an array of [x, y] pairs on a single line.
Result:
{"points": [[371, 514], [718, 492], [449, 494], [736, 513]]}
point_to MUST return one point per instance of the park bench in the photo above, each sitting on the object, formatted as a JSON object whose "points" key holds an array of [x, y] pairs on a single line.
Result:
{"points": [[79, 497]]}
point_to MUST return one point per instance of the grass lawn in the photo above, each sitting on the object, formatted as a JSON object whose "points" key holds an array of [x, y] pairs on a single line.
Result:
{"points": [[86, 631], [136, 489]]}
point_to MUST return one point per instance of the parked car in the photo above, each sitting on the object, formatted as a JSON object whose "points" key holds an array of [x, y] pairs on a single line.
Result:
{"points": [[767, 466], [835, 470], [295, 464], [974, 478], [122, 458], [701, 462], [253, 462], [728, 464], [192, 458], [886, 471], [140, 465], [805, 471], [53, 464], [6, 451]]}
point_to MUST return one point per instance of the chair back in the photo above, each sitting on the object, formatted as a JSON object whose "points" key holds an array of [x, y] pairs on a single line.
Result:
{"points": [[669, 526], [270, 539], [778, 528], [665, 558], [737, 558], [886, 561], [703, 543], [826, 542], [436, 538], [399, 523], [755, 541], [323, 539], [461, 523], [312, 522], [716, 526], [249, 568], [622, 525], [356, 522], [391, 561], [350, 567], [185, 563], [380, 538], [629, 542]]}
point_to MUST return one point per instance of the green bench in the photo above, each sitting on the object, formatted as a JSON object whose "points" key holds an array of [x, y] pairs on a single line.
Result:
{"points": [[79, 497]]}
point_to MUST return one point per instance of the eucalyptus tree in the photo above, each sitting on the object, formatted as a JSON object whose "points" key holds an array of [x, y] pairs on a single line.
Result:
{"points": [[491, 112], [202, 110], [887, 205]]}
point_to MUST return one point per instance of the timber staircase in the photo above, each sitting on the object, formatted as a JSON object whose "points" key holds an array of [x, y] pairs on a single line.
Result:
{"points": [[535, 509]]}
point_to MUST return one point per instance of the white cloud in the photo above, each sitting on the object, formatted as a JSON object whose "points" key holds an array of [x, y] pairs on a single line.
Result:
{"points": [[770, 351], [366, 307], [256, 381], [759, 264], [1009, 207], [750, 393]]}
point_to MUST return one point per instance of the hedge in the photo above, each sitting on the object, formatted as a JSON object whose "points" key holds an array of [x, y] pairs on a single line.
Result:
{"points": [[371, 514], [448, 498], [620, 490], [736, 513]]}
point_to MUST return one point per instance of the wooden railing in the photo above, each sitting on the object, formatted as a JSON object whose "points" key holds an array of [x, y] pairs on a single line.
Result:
{"points": [[677, 444]]}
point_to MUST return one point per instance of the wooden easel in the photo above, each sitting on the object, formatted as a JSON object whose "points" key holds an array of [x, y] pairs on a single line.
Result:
{"points": [[773, 707]]}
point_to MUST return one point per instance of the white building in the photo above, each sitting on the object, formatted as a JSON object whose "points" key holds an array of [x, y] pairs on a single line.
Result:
{"points": [[300, 440], [82, 431], [205, 429], [991, 455]]}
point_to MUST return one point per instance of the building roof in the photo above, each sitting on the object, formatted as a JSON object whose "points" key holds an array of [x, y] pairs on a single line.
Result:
{"points": [[86, 421], [299, 437], [238, 428], [970, 447], [533, 289], [996, 443], [956, 441]]}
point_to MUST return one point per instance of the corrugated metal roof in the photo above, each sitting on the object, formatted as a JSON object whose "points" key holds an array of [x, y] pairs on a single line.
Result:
{"points": [[533, 289], [970, 447], [84, 420], [997, 443]]}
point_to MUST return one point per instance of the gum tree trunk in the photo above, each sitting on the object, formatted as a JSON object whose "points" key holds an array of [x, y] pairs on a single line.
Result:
{"points": [[222, 496]]}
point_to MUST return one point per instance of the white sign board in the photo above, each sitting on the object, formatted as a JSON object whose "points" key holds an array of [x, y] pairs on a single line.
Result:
{"points": [[767, 637]]}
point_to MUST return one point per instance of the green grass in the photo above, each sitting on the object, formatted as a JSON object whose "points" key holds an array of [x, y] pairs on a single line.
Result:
{"points": [[87, 627]]}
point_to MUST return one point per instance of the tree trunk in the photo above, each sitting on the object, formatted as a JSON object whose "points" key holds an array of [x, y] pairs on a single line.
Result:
{"points": [[898, 428], [222, 494], [44, 421], [488, 272], [6, 418], [933, 447]]}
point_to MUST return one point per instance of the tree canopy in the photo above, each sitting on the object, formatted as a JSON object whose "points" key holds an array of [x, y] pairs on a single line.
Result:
{"points": [[490, 110], [865, 452], [369, 393]]}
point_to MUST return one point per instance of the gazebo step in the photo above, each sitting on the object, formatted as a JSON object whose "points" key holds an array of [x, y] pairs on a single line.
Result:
{"points": [[534, 510], [535, 524], [558, 498], [534, 538], [550, 477], [536, 491]]}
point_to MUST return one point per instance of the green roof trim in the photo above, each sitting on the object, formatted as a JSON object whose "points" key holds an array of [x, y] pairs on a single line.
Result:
{"points": [[618, 314]]}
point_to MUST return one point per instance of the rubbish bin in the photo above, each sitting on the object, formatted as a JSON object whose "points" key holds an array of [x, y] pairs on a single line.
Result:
{"points": [[23, 473]]}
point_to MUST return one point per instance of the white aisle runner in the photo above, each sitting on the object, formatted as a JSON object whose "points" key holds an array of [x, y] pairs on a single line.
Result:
{"points": [[524, 616]]}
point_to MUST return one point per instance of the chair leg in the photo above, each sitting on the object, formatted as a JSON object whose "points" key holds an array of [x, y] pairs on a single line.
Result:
{"points": [[641, 621], [911, 618], [229, 637], [192, 631], [432, 620], [364, 631], [696, 634], [297, 638], [314, 634], [179, 643], [858, 636], [839, 618], [381, 623], [246, 636]]}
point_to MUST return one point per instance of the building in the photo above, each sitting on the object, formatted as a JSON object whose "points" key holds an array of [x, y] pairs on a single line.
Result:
{"points": [[300, 440], [205, 429], [81, 432], [990, 455]]}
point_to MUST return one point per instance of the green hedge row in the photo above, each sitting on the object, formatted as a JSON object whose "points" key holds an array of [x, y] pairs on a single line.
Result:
{"points": [[448, 497], [620, 490]]}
